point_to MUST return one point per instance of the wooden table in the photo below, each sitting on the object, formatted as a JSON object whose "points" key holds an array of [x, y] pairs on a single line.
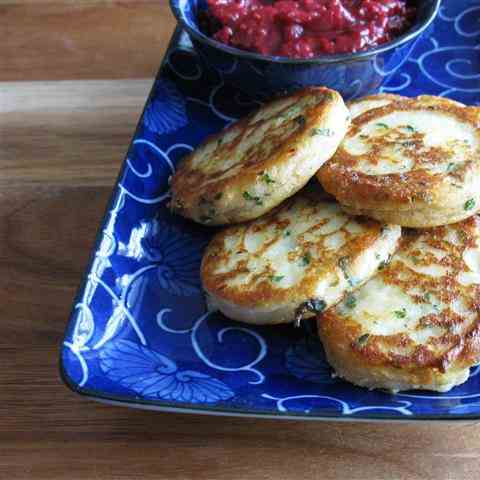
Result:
{"points": [[73, 77]]}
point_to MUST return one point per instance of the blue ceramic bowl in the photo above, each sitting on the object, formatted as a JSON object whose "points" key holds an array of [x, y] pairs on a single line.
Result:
{"points": [[353, 75]]}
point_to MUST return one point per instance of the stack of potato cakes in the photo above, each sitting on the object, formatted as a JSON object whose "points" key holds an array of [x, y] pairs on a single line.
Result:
{"points": [[396, 308]]}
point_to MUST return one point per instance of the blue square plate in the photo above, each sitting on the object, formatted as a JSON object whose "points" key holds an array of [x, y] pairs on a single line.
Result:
{"points": [[139, 333]]}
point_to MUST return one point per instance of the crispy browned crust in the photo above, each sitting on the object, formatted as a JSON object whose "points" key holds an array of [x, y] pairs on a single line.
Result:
{"points": [[425, 99], [264, 292], [379, 96], [398, 355], [406, 191], [196, 194]]}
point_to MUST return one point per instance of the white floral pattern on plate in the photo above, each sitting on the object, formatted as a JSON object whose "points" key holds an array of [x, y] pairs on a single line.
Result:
{"points": [[139, 331]]}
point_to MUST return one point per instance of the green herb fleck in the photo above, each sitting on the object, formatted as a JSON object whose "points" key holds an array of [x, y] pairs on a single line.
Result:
{"points": [[463, 235], [267, 178], [291, 111], [362, 340], [257, 200], [300, 120], [469, 204], [287, 233], [316, 305], [378, 256], [343, 264], [415, 259], [276, 278], [363, 136], [384, 263], [382, 125], [400, 313], [218, 196], [450, 167], [410, 128], [427, 297], [324, 132], [351, 301], [306, 259]]}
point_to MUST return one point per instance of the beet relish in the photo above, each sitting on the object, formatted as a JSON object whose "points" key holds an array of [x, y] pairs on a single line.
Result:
{"points": [[305, 28]]}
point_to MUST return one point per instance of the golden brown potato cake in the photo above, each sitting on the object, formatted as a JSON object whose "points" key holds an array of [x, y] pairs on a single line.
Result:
{"points": [[412, 162], [415, 325], [252, 166], [297, 260]]}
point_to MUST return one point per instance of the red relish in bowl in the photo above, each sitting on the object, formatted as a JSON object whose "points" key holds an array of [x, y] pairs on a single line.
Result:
{"points": [[305, 28]]}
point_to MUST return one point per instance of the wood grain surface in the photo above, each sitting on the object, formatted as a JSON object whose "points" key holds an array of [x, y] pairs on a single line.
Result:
{"points": [[61, 144], [82, 39]]}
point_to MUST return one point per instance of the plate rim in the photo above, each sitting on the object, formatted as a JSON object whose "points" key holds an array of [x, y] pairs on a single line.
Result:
{"points": [[185, 408]]}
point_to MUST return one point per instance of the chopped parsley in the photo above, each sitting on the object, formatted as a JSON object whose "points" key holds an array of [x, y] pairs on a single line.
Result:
{"points": [[378, 256], [306, 259], [363, 136], [427, 298], [363, 339], [400, 313], [450, 167], [267, 178], [382, 125], [351, 301], [316, 305], [384, 263], [287, 233], [257, 200], [469, 204], [295, 110], [324, 132], [276, 278], [463, 235], [343, 264], [300, 120], [410, 128]]}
